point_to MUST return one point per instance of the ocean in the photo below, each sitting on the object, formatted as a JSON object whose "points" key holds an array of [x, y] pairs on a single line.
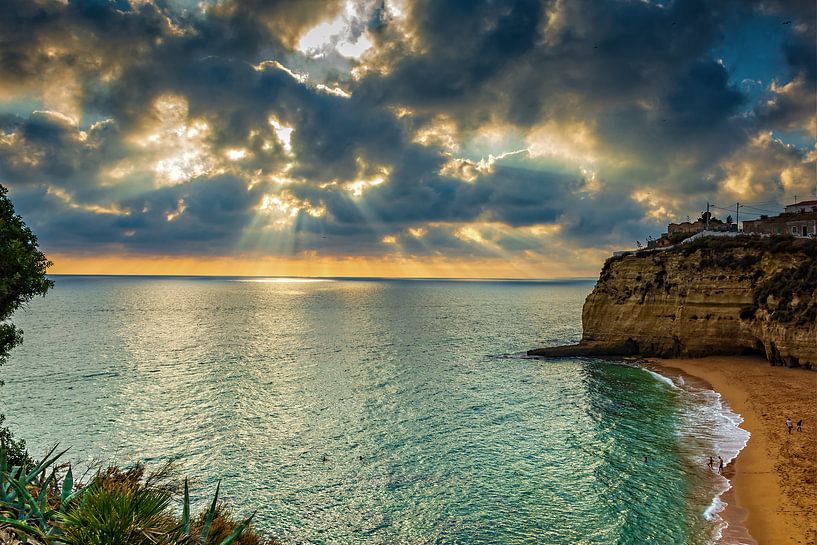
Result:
{"points": [[373, 411]]}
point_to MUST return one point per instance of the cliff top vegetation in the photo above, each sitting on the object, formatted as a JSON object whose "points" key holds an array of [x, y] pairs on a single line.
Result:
{"points": [[784, 244], [786, 295]]}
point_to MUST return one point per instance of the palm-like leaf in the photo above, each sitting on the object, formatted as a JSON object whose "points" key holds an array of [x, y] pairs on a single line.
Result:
{"points": [[124, 516]]}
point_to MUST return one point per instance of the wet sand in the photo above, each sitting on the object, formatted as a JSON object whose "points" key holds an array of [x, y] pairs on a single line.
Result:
{"points": [[774, 480]]}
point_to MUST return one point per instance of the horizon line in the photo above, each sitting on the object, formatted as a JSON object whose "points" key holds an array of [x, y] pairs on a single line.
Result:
{"points": [[474, 278]]}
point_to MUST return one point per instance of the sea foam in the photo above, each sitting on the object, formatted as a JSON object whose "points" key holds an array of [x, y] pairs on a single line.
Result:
{"points": [[713, 426]]}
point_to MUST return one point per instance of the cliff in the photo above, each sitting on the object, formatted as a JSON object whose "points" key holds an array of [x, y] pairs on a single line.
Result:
{"points": [[716, 295]]}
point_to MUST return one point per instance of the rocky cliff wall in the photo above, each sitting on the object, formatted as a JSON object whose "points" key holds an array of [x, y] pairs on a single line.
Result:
{"points": [[713, 296]]}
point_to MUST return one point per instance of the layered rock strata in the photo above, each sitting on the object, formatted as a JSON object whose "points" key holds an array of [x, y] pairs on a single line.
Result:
{"points": [[713, 296]]}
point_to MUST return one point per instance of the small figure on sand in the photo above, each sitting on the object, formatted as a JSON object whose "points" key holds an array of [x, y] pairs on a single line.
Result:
{"points": [[800, 425], [720, 465], [324, 458], [711, 463], [788, 424]]}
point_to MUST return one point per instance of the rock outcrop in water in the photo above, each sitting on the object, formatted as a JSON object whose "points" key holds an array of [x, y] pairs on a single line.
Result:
{"points": [[712, 296]]}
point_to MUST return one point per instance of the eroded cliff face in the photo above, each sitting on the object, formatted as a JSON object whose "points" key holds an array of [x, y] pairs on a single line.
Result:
{"points": [[714, 297]]}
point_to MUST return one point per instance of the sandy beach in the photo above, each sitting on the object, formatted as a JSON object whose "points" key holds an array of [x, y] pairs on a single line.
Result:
{"points": [[774, 479]]}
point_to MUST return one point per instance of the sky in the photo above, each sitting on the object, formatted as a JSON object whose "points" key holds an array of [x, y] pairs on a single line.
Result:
{"points": [[430, 138]]}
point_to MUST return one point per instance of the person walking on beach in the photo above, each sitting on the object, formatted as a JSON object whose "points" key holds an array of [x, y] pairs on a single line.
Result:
{"points": [[788, 424], [800, 425], [720, 465], [711, 464]]}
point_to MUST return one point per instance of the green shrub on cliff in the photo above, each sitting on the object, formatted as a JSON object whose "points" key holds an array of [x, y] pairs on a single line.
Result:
{"points": [[15, 448], [781, 244], [788, 295]]}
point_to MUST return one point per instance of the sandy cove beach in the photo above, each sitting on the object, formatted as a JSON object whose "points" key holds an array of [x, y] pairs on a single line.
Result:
{"points": [[775, 482]]}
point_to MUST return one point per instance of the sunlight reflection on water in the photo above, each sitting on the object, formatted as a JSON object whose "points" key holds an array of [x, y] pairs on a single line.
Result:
{"points": [[428, 437]]}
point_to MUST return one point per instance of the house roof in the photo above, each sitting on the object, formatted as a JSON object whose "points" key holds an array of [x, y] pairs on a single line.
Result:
{"points": [[803, 203], [783, 218]]}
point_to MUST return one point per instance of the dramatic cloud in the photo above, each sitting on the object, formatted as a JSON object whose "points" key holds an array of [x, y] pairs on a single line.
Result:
{"points": [[425, 130]]}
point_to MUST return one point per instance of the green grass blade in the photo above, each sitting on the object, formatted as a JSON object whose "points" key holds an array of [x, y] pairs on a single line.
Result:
{"points": [[186, 511], [44, 464], [39, 467], [211, 514]]}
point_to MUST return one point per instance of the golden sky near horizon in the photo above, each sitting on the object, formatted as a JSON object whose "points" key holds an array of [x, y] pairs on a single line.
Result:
{"points": [[384, 267]]}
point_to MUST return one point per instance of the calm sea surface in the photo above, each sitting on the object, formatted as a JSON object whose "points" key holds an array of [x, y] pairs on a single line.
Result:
{"points": [[372, 412]]}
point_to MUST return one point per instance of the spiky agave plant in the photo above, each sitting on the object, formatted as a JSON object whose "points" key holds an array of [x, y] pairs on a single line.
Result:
{"points": [[29, 502], [35, 505]]}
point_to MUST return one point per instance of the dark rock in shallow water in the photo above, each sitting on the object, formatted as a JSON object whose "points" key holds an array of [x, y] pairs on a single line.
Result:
{"points": [[586, 351]]}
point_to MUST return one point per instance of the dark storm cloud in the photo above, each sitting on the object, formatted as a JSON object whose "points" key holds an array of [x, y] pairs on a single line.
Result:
{"points": [[640, 70], [522, 58], [662, 109], [48, 149], [511, 196], [216, 210], [642, 73], [795, 107]]}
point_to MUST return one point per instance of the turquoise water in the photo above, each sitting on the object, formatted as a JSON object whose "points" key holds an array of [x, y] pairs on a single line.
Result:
{"points": [[432, 428]]}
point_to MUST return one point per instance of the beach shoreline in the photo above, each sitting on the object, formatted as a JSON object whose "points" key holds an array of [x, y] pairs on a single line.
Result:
{"points": [[773, 477]]}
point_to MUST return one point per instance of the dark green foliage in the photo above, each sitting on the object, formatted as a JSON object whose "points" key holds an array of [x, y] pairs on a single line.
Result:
{"points": [[660, 277], [15, 449], [784, 244], [118, 507], [608, 267], [22, 276], [22, 271], [31, 498], [747, 261], [787, 285], [724, 260], [118, 515], [675, 238]]}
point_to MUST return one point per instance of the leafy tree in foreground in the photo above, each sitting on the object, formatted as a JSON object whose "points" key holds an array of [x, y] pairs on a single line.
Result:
{"points": [[22, 271], [22, 276]]}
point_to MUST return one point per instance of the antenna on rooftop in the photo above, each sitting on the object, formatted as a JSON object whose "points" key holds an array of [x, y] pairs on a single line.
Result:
{"points": [[737, 217]]}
